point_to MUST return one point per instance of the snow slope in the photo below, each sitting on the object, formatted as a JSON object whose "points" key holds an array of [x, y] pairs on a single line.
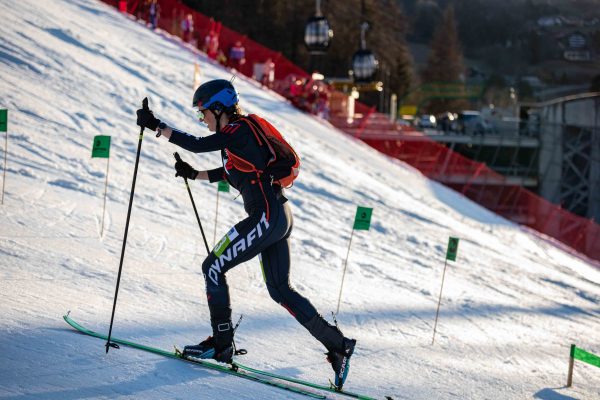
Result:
{"points": [[69, 70]]}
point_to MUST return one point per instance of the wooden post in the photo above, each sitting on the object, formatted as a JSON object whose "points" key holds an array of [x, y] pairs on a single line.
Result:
{"points": [[344, 273], [4, 127], [571, 364], [105, 190], [5, 154], [439, 302]]}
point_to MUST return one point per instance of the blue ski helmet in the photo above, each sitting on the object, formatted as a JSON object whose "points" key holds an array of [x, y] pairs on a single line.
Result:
{"points": [[217, 95]]}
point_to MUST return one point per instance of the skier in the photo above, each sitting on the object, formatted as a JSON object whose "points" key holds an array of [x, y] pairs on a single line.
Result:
{"points": [[265, 232]]}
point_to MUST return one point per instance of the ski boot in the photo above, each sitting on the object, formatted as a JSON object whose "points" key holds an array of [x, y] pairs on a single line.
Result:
{"points": [[208, 348], [219, 346], [340, 362], [339, 348]]}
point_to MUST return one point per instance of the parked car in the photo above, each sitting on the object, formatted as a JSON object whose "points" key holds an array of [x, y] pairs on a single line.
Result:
{"points": [[445, 121], [426, 121], [471, 123]]}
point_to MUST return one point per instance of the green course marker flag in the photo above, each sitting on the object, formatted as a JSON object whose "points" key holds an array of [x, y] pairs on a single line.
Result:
{"points": [[223, 186], [581, 355], [101, 148], [3, 120], [452, 249], [586, 357], [362, 221]]}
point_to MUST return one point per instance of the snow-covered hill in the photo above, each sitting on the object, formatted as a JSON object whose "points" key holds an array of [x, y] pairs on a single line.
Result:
{"points": [[70, 70]]}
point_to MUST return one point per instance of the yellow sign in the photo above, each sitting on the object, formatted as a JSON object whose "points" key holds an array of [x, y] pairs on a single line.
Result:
{"points": [[408, 110]]}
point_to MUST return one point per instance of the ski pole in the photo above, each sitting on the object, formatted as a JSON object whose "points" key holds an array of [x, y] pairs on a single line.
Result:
{"points": [[137, 160], [178, 158]]}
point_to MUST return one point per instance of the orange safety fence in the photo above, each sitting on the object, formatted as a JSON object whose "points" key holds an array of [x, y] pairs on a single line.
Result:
{"points": [[436, 161]]}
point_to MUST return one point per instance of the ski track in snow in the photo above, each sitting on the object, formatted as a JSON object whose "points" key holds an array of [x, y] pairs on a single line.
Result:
{"points": [[513, 302]]}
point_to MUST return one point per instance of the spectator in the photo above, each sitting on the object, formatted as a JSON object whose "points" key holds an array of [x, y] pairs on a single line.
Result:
{"points": [[268, 75], [211, 44], [296, 87], [187, 28], [237, 55], [141, 10], [176, 22], [322, 106], [154, 11]]}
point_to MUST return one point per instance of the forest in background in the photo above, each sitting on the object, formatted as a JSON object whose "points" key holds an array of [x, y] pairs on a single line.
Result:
{"points": [[498, 39]]}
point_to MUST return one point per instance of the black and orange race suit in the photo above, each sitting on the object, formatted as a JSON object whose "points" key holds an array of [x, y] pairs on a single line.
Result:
{"points": [[266, 230]]}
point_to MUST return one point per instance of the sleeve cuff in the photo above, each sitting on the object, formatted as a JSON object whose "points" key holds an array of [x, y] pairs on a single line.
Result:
{"points": [[216, 175]]}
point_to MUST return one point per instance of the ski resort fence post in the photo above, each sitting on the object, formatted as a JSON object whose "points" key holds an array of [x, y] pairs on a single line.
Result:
{"points": [[450, 255], [223, 186], [362, 221], [579, 354], [4, 128], [101, 149], [137, 161], [187, 185]]}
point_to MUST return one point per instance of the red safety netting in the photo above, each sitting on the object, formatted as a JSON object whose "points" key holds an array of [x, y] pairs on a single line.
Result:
{"points": [[174, 12], [490, 189], [473, 179]]}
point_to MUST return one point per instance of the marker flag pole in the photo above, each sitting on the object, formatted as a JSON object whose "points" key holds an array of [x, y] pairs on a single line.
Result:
{"points": [[101, 149], [4, 128], [362, 221], [450, 255], [223, 186]]}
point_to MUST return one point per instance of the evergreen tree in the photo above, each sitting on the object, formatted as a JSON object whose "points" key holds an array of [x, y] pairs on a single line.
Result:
{"points": [[427, 14], [279, 25], [445, 62]]}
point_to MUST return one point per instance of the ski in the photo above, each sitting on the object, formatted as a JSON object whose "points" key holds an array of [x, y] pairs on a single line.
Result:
{"points": [[331, 388], [246, 374]]}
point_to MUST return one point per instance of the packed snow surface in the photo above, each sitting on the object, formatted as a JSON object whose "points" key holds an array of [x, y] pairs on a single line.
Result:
{"points": [[512, 303]]}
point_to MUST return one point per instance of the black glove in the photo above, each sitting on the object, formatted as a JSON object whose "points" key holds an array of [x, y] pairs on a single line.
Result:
{"points": [[185, 170], [146, 119]]}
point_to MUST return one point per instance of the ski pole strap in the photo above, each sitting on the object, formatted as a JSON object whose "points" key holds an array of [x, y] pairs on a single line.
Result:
{"points": [[238, 323], [334, 319], [236, 351]]}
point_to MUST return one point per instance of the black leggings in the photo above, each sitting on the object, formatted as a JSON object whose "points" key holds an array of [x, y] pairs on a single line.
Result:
{"points": [[248, 238]]}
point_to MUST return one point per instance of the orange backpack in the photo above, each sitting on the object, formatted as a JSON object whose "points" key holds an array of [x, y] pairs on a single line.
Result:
{"points": [[284, 164]]}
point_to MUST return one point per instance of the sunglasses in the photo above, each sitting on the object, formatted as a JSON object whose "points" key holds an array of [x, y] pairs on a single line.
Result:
{"points": [[200, 114]]}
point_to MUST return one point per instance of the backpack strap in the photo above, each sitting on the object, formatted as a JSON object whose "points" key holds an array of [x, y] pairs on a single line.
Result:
{"points": [[259, 133]]}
